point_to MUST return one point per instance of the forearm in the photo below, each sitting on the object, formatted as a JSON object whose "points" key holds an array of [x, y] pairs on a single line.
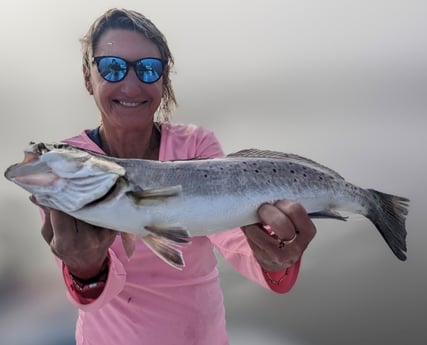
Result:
{"points": [[235, 249], [96, 296]]}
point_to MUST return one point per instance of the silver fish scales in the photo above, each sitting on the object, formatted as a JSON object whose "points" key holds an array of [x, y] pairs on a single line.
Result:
{"points": [[167, 202]]}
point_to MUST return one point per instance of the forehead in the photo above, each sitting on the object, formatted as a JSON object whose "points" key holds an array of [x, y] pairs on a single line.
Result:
{"points": [[125, 43]]}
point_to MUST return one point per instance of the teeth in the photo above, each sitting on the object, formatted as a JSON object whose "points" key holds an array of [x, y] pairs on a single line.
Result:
{"points": [[129, 104]]}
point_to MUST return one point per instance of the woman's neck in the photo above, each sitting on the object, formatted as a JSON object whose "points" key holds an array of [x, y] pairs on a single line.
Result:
{"points": [[143, 144]]}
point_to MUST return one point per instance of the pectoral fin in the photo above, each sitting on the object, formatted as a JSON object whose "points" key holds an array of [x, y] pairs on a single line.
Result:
{"points": [[329, 214], [165, 250], [156, 192], [155, 195]]}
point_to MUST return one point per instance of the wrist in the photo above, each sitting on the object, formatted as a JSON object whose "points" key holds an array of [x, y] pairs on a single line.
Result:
{"points": [[100, 277], [86, 290], [87, 272]]}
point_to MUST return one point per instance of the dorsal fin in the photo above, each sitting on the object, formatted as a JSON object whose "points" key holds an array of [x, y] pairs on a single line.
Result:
{"points": [[290, 157]]}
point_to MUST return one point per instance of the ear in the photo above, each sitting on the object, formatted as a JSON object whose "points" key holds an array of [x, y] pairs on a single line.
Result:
{"points": [[86, 76]]}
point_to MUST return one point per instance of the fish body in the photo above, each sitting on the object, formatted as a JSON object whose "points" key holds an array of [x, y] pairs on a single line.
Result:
{"points": [[166, 202]]}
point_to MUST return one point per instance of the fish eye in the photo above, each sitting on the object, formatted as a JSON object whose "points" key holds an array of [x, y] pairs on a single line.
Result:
{"points": [[40, 148]]}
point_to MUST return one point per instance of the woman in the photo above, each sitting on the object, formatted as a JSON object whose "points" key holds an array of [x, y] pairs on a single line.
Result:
{"points": [[126, 66]]}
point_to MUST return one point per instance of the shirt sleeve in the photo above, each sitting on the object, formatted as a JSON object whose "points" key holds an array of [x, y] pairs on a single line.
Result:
{"points": [[114, 284], [234, 247]]}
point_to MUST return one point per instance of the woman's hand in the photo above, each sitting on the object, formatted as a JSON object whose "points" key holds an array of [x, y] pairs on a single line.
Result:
{"points": [[291, 232], [82, 247]]}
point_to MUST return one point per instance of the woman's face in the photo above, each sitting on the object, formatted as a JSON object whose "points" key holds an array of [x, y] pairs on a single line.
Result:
{"points": [[129, 104]]}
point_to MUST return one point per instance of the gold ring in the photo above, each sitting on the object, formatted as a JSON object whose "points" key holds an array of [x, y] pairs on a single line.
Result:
{"points": [[284, 243]]}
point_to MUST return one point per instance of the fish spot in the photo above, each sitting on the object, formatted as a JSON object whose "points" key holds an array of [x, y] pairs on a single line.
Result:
{"points": [[129, 299], [206, 175], [292, 171], [305, 175], [245, 170], [275, 170], [257, 171]]}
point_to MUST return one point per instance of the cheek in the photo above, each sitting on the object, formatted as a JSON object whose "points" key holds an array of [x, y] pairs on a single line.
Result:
{"points": [[156, 91]]}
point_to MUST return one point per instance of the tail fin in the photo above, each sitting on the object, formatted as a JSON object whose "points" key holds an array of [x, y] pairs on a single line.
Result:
{"points": [[389, 216]]}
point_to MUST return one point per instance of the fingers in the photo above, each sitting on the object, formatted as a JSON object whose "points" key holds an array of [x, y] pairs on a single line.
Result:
{"points": [[292, 231], [259, 237], [287, 219], [278, 218], [264, 247]]}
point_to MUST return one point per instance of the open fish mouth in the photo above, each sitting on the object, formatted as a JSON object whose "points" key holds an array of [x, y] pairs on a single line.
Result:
{"points": [[62, 177]]}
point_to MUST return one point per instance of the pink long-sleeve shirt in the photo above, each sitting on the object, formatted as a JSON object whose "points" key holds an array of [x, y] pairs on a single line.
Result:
{"points": [[145, 301]]}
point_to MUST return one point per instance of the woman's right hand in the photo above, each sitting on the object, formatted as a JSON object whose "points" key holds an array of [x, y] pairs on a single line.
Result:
{"points": [[81, 246]]}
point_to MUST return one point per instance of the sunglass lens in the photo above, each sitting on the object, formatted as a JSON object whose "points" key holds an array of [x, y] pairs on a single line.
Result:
{"points": [[112, 69], [149, 70]]}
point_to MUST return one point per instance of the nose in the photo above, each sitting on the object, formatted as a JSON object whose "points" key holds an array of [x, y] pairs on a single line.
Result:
{"points": [[131, 85]]}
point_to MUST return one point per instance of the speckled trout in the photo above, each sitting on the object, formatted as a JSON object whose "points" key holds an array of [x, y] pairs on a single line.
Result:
{"points": [[165, 203]]}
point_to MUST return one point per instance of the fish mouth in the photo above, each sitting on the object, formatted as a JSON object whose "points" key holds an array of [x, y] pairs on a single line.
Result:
{"points": [[39, 180], [27, 174]]}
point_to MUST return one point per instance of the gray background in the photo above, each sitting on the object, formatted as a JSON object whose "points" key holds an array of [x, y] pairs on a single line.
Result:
{"points": [[342, 82]]}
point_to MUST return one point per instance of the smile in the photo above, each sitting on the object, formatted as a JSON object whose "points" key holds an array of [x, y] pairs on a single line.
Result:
{"points": [[130, 104]]}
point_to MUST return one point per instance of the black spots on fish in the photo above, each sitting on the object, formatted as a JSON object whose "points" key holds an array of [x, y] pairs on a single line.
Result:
{"points": [[245, 164], [304, 169], [350, 186], [206, 175], [129, 299], [250, 167]]}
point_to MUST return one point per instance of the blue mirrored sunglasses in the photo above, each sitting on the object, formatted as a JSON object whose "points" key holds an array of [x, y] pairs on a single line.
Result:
{"points": [[114, 69]]}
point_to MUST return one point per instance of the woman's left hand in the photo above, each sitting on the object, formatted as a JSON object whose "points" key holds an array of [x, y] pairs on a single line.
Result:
{"points": [[291, 232]]}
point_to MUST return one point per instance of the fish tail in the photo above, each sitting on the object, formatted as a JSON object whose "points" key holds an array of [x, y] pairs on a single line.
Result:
{"points": [[389, 216]]}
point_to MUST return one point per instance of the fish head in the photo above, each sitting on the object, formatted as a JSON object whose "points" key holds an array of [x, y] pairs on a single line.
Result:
{"points": [[63, 177]]}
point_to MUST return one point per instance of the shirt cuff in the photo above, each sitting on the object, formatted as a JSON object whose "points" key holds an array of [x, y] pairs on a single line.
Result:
{"points": [[86, 291], [282, 281]]}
